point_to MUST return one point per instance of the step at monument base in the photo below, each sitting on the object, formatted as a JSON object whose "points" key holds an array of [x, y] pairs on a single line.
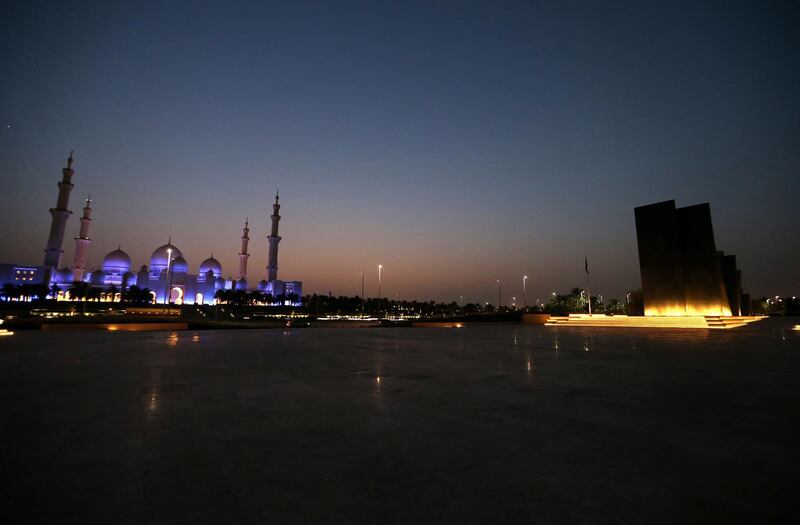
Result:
{"points": [[624, 321]]}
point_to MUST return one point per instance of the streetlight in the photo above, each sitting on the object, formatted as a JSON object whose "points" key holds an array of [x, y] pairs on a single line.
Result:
{"points": [[363, 300], [380, 267], [166, 290], [499, 295], [524, 293]]}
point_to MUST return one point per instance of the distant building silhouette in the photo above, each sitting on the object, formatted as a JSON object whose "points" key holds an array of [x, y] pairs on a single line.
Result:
{"points": [[682, 271]]}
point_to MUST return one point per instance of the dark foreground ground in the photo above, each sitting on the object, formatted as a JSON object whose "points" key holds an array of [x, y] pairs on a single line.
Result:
{"points": [[493, 424]]}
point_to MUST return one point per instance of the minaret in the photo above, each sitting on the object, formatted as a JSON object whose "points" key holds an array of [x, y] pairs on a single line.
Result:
{"points": [[52, 254], [82, 242], [273, 240], [244, 255]]}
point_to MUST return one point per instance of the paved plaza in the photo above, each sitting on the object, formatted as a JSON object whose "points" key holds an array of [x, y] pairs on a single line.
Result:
{"points": [[483, 424]]}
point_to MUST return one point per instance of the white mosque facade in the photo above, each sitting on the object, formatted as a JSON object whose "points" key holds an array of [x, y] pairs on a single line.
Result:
{"points": [[167, 276]]}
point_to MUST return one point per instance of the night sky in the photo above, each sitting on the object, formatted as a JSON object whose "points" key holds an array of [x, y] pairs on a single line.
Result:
{"points": [[456, 143]]}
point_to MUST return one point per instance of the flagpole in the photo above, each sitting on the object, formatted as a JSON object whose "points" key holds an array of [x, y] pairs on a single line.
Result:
{"points": [[588, 290]]}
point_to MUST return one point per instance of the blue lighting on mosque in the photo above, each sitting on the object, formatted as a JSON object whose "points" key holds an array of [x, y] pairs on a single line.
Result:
{"points": [[167, 276]]}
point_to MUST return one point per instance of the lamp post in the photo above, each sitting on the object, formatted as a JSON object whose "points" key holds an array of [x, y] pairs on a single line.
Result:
{"points": [[524, 293], [363, 299], [166, 290], [499, 295], [380, 267]]}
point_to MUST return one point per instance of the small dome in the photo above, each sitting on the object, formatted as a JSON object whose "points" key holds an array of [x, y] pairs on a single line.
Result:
{"points": [[211, 264], [160, 255], [63, 276], [179, 265], [97, 277], [117, 260]]}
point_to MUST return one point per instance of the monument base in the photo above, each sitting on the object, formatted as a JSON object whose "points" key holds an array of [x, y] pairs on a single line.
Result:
{"points": [[624, 321]]}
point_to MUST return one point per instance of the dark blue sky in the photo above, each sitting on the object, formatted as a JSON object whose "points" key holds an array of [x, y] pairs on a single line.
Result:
{"points": [[454, 142]]}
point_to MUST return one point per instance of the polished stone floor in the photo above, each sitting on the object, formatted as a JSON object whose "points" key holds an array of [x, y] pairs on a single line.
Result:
{"points": [[490, 424]]}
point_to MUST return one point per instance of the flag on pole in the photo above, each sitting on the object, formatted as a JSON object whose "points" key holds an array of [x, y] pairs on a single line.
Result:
{"points": [[586, 264]]}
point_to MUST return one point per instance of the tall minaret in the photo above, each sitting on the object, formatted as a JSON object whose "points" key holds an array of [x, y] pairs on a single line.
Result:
{"points": [[52, 254], [274, 239], [244, 255], [82, 242]]}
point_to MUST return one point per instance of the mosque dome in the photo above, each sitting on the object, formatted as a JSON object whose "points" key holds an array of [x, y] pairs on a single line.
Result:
{"points": [[117, 260], [97, 277], [160, 256], [179, 265], [63, 276], [210, 264]]}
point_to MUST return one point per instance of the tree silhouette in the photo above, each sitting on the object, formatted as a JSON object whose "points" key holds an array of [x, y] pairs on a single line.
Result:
{"points": [[94, 293], [255, 297], [222, 296], [10, 291], [78, 290], [37, 290]]}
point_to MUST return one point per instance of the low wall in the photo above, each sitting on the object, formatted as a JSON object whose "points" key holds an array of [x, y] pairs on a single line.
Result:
{"points": [[153, 310], [122, 327], [437, 324], [535, 318]]}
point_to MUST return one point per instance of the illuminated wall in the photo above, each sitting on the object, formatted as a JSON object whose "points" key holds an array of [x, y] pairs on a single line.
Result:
{"points": [[682, 272]]}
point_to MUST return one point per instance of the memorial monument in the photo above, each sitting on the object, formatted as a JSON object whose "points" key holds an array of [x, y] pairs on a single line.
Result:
{"points": [[682, 272]]}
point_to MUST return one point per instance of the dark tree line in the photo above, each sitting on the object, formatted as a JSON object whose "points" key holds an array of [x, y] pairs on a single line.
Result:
{"points": [[77, 291], [25, 292], [323, 305], [253, 297], [572, 302], [576, 301]]}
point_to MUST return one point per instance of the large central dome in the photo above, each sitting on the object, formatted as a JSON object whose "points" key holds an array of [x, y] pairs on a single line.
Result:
{"points": [[160, 255], [179, 265]]}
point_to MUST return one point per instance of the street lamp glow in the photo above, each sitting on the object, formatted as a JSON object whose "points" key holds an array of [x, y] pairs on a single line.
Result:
{"points": [[363, 299], [167, 289], [524, 293], [380, 267]]}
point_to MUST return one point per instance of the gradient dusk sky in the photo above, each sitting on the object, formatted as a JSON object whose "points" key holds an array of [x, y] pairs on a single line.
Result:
{"points": [[456, 143]]}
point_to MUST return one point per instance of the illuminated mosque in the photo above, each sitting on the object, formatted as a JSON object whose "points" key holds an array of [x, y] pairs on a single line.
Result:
{"points": [[167, 277]]}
